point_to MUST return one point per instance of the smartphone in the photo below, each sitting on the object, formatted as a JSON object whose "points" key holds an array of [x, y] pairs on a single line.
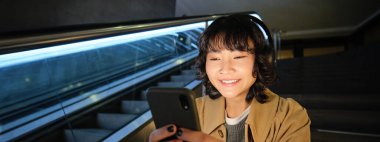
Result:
{"points": [[173, 106]]}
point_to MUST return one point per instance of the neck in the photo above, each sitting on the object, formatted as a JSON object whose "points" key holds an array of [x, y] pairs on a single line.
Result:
{"points": [[235, 106]]}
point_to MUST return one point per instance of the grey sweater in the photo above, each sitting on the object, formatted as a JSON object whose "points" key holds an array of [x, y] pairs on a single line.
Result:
{"points": [[235, 133]]}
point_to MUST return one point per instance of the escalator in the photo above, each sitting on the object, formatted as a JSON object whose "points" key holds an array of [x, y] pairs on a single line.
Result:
{"points": [[90, 85]]}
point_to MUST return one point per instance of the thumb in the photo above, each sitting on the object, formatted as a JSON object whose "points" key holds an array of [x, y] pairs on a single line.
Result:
{"points": [[162, 133]]}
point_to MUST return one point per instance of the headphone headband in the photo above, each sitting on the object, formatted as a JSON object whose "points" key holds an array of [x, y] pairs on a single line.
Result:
{"points": [[265, 31]]}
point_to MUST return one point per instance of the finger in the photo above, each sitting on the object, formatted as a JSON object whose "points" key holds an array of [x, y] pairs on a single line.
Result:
{"points": [[162, 133], [189, 135], [194, 136], [176, 140]]}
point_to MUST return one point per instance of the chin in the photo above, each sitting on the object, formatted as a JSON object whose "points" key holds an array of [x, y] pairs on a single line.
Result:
{"points": [[229, 95]]}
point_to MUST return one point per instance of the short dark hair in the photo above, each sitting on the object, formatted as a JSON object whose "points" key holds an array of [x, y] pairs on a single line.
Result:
{"points": [[235, 32]]}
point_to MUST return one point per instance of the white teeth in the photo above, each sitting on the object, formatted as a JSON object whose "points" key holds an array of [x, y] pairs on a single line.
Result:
{"points": [[229, 81]]}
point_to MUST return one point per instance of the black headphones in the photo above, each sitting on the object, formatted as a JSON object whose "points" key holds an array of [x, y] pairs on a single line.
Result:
{"points": [[265, 31]]}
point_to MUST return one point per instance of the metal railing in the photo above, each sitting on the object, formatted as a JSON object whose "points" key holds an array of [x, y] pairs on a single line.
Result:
{"points": [[276, 45]]}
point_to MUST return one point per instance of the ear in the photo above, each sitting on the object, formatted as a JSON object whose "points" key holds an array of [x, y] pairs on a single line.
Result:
{"points": [[255, 69], [254, 74]]}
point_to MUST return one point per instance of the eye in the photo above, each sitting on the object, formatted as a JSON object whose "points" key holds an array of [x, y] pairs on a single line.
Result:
{"points": [[239, 57], [214, 59]]}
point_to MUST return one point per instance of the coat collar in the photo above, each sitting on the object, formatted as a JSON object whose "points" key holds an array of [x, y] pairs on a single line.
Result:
{"points": [[258, 120]]}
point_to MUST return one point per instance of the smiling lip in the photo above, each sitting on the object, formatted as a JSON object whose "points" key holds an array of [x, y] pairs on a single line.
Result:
{"points": [[229, 82]]}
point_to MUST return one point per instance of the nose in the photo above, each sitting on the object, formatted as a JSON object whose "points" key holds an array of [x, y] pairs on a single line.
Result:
{"points": [[226, 67]]}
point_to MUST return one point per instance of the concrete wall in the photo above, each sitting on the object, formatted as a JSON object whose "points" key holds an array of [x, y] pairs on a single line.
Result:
{"points": [[21, 15], [313, 18]]}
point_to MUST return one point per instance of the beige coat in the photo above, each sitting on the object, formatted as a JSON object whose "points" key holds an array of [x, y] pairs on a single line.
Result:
{"points": [[277, 120]]}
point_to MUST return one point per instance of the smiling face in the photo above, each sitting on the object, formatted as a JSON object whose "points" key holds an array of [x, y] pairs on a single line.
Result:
{"points": [[230, 72], [230, 76]]}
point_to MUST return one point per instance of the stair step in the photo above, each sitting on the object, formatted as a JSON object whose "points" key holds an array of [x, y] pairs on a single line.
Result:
{"points": [[86, 135], [341, 137], [345, 120], [336, 101], [134, 106], [189, 72], [171, 84], [183, 78], [114, 121]]}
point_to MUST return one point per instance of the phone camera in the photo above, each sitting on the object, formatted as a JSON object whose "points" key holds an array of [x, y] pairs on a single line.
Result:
{"points": [[184, 102]]}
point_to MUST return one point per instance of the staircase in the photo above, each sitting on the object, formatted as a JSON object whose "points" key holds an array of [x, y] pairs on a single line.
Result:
{"points": [[340, 93]]}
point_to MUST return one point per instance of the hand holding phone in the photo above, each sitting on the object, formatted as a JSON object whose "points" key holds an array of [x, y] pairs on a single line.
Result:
{"points": [[173, 106]]}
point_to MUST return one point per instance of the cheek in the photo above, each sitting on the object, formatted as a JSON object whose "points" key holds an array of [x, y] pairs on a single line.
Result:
{"points": [[247, 69], [251, 68], [207, 67], [209, 70]]}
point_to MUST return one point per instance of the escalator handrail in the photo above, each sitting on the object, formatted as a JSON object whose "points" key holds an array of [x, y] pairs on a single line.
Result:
{"points": [[18, 44], [35, 42]]}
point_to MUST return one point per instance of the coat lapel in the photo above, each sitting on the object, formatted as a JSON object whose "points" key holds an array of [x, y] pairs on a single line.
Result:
{"points": [[214, 114], [261, 115]]}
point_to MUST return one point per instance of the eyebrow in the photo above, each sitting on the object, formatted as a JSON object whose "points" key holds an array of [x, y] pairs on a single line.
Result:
{"points": [[220, 50]]}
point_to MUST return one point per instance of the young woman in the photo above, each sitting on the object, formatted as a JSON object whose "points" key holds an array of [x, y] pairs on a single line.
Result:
{"points": [[235, 66]]}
